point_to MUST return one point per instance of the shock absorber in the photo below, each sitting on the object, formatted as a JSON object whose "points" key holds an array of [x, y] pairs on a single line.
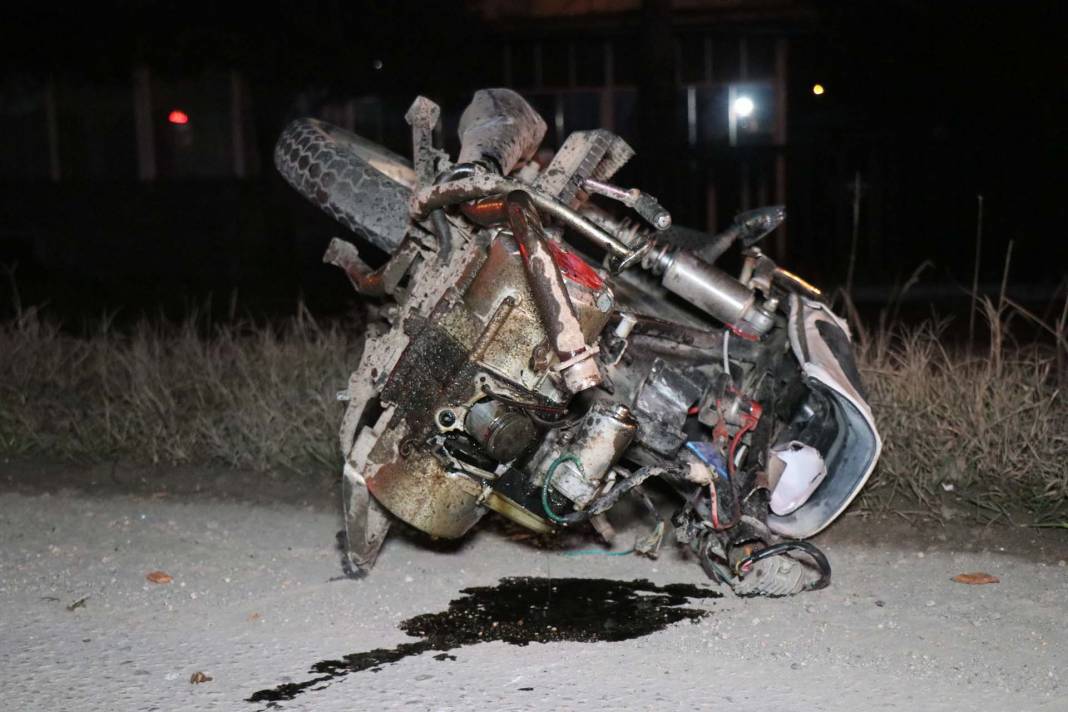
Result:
{"points": [[709, 288]]}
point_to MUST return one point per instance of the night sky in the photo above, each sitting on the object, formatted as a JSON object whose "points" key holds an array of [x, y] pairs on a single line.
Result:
{"points": [[959, 98]]}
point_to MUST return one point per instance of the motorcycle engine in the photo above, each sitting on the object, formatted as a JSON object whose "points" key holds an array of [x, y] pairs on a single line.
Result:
{"points": [[465, 376]]}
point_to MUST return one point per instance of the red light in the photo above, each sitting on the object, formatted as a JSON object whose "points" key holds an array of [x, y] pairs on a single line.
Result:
{"points": [[178, 117]]}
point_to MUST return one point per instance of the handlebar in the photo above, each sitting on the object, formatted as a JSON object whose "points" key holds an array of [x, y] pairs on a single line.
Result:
{"points": [[484, 184]]}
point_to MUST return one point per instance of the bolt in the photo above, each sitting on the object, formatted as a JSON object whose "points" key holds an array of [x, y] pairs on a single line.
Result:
{"points": [[604, 301], [446, 418]]}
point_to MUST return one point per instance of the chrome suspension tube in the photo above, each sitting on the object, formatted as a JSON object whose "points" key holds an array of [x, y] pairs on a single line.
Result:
{"points": [[707, 287]]}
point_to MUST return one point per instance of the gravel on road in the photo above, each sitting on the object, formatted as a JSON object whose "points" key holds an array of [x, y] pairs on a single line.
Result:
{"points": [[255, 599]]}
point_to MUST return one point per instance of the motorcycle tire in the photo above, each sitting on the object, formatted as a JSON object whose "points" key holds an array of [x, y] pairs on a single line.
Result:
{"points": [[360, 184]]}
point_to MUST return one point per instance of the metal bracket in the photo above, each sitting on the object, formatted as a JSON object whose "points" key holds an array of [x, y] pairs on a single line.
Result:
{"points": [[423, 116], [644, 204], [372, 283]]}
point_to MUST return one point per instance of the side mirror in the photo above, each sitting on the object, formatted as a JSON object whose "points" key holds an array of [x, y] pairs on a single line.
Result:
{"points": [[754, 225], [749, 228]]}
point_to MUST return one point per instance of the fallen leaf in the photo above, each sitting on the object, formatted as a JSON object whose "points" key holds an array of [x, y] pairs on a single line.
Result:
{"points": [[199, 677], [254, 616], [78, 604], [976, 578], [159, 577]]}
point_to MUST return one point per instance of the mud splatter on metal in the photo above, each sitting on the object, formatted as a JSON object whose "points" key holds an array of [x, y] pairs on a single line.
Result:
{"points": [[422, 116], [585, 154], [520, 611], [500, 126], [550, 294], [346, 176], [482, 185]]}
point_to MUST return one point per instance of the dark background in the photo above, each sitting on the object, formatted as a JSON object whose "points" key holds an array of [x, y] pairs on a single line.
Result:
{"points": [[932, 104]]}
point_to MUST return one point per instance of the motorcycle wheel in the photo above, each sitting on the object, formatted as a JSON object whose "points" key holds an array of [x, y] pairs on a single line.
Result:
{"points": [[361, 185]]}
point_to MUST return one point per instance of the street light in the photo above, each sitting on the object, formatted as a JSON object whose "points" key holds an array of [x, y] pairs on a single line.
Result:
{"points": [[740, 108], [743, 107]]}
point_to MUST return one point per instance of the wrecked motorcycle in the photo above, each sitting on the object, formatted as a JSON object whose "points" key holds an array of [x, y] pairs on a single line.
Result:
{"points": [[544, 356]]}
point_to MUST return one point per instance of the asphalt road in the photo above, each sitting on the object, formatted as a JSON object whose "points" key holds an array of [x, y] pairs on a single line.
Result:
{"points": [[255, 601]]}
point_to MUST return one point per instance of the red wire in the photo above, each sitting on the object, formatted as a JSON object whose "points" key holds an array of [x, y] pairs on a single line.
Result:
{"points": [[751, 421], [746, 427], [742, 334]]}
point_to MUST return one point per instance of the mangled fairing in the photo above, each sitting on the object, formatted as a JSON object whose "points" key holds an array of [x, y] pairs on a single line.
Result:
{"points": [[544, 357], [850, 444]]}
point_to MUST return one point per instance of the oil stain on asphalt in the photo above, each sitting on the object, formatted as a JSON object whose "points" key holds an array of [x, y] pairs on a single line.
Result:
{"points": [[519, 611]]}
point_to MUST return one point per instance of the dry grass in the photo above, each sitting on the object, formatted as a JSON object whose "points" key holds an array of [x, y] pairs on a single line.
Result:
{"points": [[990, 422], [244, 395]]}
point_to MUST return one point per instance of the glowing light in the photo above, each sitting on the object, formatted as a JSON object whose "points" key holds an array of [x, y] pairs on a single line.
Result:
{"points": [[743, 107], [817, 89], [178, 117]]}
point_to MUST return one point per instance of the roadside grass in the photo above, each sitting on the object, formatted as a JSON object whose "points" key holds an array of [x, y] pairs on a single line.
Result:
{"points": [[985, 427], [242, 395], [979, 431]]}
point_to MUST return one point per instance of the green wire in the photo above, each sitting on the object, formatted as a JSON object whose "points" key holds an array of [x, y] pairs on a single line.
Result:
{"points": [[549, 478], [560, 520], [598, 552]]}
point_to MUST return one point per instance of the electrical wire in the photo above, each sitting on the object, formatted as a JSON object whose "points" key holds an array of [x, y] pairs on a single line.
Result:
{"points": [[524, 405], [656, 535], [548, 480], [818, 556], [714, 504], [551, 424], [595, 552], [749, 424], [726, 351], [603, 503], [736, 516], [717, 470]]}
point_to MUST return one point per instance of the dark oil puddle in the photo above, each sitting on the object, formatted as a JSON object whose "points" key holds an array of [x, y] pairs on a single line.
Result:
{"points": [[520, 611]]}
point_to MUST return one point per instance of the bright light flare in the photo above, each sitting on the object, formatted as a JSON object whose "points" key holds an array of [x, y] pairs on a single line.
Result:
{"points": [[178, 117], [743, 107], [817, 89]]}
